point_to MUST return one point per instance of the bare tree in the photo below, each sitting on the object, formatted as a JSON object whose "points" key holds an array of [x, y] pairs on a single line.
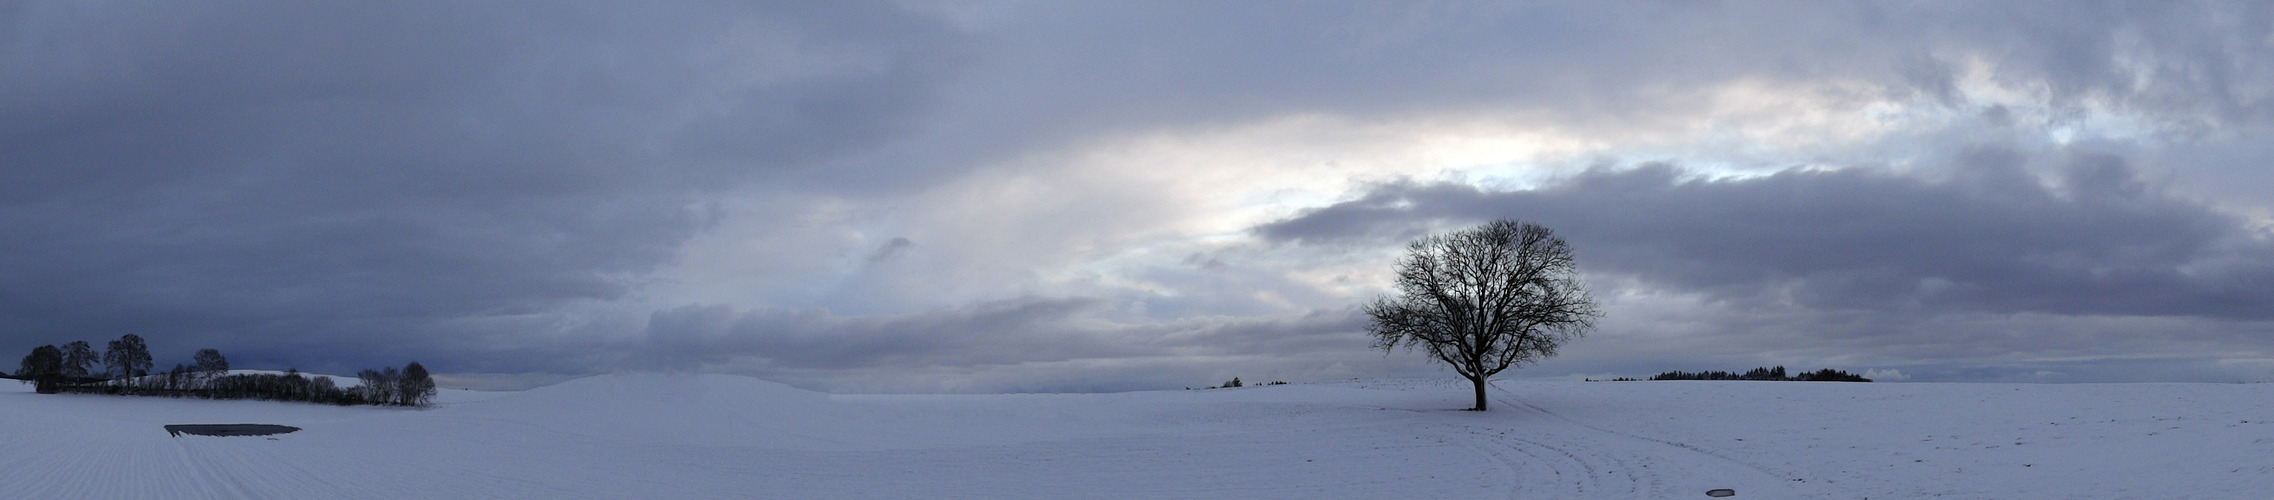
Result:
{"points": [[416, 388], [210, 363], [127, 357], [379, 387], [78, 356], [1484, 299]]}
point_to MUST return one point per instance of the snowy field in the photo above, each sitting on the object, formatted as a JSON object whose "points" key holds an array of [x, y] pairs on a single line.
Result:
{"points": [[712, 436]]}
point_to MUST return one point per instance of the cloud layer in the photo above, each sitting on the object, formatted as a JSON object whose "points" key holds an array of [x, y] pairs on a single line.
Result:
{"points": [[1989, 266], [1994, 239], [1075, 196], [281, 178]]}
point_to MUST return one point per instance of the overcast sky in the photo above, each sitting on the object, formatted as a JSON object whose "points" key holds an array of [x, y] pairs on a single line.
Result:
{"points": [[976, 196]]}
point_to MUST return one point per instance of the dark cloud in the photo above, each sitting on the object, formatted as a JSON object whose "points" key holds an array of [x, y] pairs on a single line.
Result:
{"points": [[891, 250], [265, 178], [1992, 239], [1204, 262]]}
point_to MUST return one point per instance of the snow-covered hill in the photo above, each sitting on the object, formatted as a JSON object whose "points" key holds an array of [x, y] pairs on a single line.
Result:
{"points": [[713, 436]]}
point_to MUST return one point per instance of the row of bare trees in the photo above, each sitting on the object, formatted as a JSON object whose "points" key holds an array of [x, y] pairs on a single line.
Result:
{"points": [[409, 387], [1765, 373], [127, 364], [52, 367]]}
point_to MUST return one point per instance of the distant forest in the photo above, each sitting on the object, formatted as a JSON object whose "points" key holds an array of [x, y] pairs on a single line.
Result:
{"points": [[125, 370], [1765, 373]]}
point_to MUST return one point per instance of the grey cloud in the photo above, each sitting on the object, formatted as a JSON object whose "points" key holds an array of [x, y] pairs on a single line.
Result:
{"points": [[274, 178], [1857, 252], [1059, 70], [891, 250], [1204, 263], [363, 182], [2205, 61], [1992, 239], [988, 341]]}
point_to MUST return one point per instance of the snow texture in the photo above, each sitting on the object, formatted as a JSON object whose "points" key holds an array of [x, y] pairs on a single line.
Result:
{"points": [[715, 436]]}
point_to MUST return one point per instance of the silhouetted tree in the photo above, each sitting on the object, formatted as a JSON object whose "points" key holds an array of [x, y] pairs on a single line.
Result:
{"points": [[183, 378], [210, 362], [297, 385], [78, 357], [390, 386], [379, 385], [1485, 299], [1765, 374], [1831, 375], [323, 389], [415, 388], [44, 367], [411, 386], [127, 357]]}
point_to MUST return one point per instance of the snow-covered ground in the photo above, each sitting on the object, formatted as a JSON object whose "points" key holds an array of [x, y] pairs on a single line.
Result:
{"points": [[713, 436]]}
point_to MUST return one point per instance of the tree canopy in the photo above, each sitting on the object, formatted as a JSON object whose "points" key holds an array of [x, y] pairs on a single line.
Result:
{"points": [[44, 367], [127, 357], [210, 362], [78, 358], [1485, 299]]}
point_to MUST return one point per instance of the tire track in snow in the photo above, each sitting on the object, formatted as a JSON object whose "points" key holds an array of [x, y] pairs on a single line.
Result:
{"points": [[1684, 446], [1539, 468], [1567, 458]]}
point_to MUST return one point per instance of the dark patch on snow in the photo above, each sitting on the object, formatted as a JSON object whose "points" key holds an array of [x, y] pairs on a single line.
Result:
{"points": [[177, 430]]}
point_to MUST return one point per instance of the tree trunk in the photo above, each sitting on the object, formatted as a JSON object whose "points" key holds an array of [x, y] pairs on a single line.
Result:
{"points": [[1479, 381]]}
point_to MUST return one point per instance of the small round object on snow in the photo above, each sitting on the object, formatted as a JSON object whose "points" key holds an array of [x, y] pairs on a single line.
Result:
{"points": [[1723, 492]]}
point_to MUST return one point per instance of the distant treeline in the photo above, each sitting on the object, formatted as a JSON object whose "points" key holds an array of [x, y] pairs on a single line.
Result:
{"points": [[127, 363], [409, 386], [1236, 383], [1765, 373]]}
